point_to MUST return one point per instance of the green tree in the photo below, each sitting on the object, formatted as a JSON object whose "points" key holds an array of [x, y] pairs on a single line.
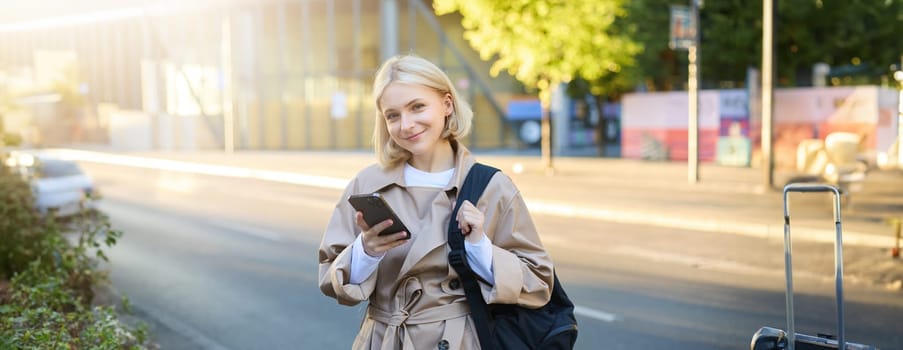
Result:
{"points": [[860, 37], [657, 66], [546, 42], [857, 36]]}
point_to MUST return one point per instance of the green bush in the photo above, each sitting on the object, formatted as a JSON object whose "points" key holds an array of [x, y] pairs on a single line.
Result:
{"points": [[21, 227], [52, 267], [43, 313]]}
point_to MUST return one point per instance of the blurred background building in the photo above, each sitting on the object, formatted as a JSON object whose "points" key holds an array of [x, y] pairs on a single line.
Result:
{"points": [[297, 74]]}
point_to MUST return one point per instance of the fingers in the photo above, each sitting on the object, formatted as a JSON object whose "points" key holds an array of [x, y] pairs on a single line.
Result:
{"points": [[374, 244], [359, 217], [376, 229], [395, 239], [372, 231], [466, 207], [462, 223], [379, 245], [469, 218]]}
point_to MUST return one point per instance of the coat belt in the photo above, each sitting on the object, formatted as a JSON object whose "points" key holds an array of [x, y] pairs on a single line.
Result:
{"points": [[406, 298], [454, 315], [428, 315]]}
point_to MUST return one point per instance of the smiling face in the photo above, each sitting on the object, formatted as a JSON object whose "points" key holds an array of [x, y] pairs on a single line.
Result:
{"points": [[415, 116]]}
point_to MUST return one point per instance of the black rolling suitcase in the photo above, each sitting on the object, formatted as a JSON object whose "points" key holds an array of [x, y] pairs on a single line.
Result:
{"points": [[768, 338]]}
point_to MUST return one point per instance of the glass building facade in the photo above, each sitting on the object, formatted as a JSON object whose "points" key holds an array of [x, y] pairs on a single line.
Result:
{"points": [[292, 74]]}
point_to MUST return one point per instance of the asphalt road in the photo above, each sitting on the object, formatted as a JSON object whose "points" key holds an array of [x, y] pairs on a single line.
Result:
{"points": [[219, 263]]}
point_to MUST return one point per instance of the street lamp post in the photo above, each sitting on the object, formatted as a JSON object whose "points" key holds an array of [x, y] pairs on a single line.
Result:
{"points": [[767, 89], [898, 76], [693, 92], [685, 35], [226, 61]]}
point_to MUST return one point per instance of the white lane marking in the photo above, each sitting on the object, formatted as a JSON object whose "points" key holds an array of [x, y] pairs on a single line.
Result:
{"points": [[536, 206], [595, 314], [247, 230]]}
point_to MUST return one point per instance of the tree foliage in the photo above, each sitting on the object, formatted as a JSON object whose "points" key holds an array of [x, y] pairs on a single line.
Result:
{"points": [[611, 46], [857, 36], [544, 42]]}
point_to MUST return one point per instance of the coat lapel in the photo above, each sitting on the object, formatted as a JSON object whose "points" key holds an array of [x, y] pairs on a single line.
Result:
{"points": [[376, 178], [435, 227], [429, 234]]}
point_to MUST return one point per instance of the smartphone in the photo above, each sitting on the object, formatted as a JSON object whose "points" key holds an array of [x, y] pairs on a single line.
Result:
{"points": [[377, 210]]}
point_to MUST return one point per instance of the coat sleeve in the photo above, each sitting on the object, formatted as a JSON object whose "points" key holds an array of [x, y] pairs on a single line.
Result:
{"points": [[516, 247], [335, 260]]}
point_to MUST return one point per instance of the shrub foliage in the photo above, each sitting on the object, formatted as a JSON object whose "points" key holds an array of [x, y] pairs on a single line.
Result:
{"points": [[48, 271]]}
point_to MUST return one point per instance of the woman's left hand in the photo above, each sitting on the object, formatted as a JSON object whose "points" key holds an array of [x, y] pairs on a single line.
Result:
{"points": [[470, 222]]}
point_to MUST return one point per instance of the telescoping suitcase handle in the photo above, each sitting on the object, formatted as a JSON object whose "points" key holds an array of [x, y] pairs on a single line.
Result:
{"points": [[838, 259]]}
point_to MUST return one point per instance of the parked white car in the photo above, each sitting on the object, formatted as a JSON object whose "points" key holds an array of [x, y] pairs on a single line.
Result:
{"points": [[59, 185]]}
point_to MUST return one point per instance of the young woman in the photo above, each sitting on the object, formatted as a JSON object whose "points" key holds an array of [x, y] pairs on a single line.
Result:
{"points": [[415, 299]]}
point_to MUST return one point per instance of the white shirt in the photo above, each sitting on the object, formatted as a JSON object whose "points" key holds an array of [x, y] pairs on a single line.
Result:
{"points": [[479, 255]]}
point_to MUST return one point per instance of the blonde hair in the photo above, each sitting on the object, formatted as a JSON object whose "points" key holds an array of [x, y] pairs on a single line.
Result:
{"points": [[412, 69]]}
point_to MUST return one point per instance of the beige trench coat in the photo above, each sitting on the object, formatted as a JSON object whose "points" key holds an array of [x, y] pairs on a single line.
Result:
{"points": [[415, 299]]}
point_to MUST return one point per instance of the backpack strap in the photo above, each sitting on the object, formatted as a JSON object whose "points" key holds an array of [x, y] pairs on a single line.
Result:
{"points": [[474, 185]]}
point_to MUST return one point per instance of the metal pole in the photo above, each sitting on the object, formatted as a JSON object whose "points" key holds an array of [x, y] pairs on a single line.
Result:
{"points": [[332, 56], [226, 58], [788, 270], [283, 72], [389, 27], [693, 92], [900, 124], [895, 250], [897, 245], [545, 98], [767, 89], [898, 76], [103, 41], [356, 44], [838, 272], [412, 26], [306, 76], [257, 31], [118, 56]]}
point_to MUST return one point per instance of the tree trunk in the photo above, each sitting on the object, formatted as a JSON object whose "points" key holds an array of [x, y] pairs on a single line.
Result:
{"points": [[545, 97]]}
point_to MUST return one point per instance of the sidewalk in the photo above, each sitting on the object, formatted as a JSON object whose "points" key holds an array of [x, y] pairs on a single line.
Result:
{"points": [[726, 200]]}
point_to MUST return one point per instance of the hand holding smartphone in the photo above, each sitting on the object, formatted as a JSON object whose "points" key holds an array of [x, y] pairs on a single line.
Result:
{"points": [[376, 210]]}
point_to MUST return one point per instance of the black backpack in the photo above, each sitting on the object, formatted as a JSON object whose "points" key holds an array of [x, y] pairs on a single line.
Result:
{"points": [[506, 326]]}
